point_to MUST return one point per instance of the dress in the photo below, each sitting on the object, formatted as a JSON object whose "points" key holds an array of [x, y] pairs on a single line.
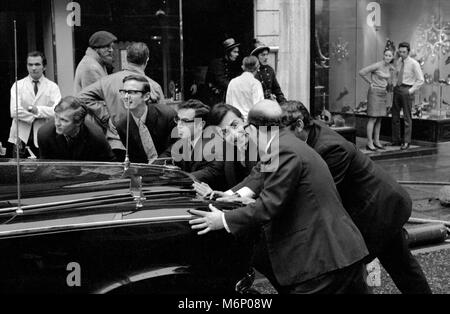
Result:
{"points": [[377, 95]]}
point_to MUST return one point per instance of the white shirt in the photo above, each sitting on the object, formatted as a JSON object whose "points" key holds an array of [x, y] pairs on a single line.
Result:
{"points": [[244, 92], [412, 73], [47, 98]]}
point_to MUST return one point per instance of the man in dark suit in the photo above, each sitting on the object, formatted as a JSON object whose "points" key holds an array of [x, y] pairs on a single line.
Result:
{"points": [[309, 243], [70, 137], [150, 125], [378, 205], [189, 150]]}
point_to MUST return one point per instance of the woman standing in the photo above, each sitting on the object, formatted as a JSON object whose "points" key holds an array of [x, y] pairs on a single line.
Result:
{"points": [[381, 74]]}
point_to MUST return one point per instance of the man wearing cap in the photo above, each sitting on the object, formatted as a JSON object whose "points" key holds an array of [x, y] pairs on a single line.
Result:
{"points": [[266, 74], [221, 71], [93, 65]]}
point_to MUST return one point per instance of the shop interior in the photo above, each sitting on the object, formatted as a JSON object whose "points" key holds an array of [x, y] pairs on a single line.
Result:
{"points": [[350, 35]]}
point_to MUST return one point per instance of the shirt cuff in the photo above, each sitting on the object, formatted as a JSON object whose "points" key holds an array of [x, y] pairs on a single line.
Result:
{"points": [[229, 193], [225, 223], [246, 192]]}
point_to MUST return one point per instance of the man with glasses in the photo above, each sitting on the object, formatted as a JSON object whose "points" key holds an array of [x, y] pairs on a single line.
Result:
{"points": [[308, 242], [93, 66], [150, 125], [189, 151], [105, 102]]}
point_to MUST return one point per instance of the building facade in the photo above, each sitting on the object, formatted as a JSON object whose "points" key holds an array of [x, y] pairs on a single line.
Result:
{"points": [[183, 37]]}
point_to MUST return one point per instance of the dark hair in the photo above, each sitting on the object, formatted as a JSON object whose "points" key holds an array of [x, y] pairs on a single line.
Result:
{"points": [[250, 63], [75, 104], [219, 111], [138, 53], [38, 54], [404, 45], [139, 78], [201, 110], [293, 111], [393, 53]]}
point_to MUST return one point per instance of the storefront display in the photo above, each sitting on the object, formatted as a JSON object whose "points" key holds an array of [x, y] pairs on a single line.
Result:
{"points": [[352, 34]]}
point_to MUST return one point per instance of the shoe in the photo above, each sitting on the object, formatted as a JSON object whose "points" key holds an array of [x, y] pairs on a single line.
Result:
{"points": [[379, 146], [371, 149], [405, 146]]}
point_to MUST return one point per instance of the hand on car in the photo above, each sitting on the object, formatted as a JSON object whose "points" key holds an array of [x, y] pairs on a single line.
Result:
{"points": [[206, 221], [202, 189]]}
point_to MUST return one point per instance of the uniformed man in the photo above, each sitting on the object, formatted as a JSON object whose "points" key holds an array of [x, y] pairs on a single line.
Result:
{"points": [[221, 71], [266, 74]]}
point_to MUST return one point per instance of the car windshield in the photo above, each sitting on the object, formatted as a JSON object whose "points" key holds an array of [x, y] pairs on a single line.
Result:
{"points": [[52, 181]]}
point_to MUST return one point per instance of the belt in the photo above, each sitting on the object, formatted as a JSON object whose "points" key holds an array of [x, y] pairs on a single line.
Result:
{"points": [[405, 85]]}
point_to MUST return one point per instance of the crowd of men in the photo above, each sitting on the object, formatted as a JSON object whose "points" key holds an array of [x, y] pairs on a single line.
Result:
{"points": [[317, 218]]}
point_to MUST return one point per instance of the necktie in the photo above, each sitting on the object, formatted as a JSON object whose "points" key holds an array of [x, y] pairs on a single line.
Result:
{"points": [[400, 74], [147, 141], [35, 83]]}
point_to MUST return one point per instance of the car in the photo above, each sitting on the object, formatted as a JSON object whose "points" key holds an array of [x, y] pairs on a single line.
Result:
{"points": [[92, 227]]}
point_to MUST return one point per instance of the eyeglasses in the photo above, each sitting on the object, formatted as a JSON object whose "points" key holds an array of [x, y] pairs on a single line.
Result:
{"points": [[182, 121], [124, 92]]}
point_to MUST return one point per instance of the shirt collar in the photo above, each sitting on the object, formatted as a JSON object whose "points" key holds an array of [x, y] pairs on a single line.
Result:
{"points": [[143, 118], [134, 68], [40, 80]]}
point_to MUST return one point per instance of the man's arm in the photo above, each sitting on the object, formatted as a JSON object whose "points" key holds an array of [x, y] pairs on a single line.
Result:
{"points": [[47, 111], [22, 114], [220, 79], [253, 182], [338, 160], [276, 90], [279, 187], [419, 78], [258, 92]]}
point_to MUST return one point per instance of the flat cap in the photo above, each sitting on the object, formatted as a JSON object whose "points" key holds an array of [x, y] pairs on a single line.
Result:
{"points": [[101, 39]]}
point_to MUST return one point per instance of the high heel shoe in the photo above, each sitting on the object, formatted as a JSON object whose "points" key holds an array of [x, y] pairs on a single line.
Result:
{"points": [[371, 149], [379, 146]]}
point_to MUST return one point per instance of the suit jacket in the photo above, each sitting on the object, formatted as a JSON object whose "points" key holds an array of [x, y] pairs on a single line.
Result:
{"points": [[47, 98], [266, 75], [89, 70], [89, 145], [378, 205], [202, 167], [160, 123], [307, 231]]}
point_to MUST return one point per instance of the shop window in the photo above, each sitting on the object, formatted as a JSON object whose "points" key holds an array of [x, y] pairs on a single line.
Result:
{"points": [[351, 34]]}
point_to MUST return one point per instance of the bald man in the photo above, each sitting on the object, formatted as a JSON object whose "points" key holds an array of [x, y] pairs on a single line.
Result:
{"points": [[308, 242]]}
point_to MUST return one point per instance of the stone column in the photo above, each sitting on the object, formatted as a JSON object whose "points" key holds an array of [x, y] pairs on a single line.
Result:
{"points": [[294, 55], [63, 36]]}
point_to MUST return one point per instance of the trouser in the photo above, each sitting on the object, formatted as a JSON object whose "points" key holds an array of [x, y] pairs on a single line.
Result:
{"points": [[402, 266], [347, 280], [402, 100]]}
